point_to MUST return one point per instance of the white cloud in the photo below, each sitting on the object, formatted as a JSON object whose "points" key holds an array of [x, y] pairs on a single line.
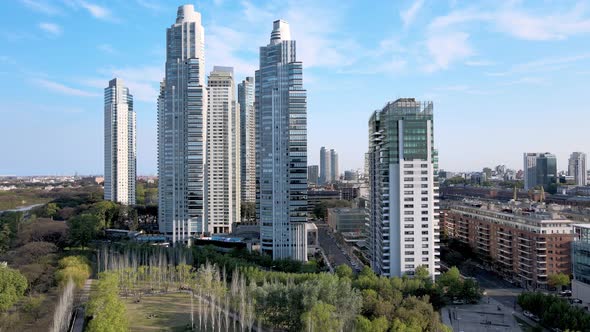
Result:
{"points": [[409, 15], [41, 6], [151, 5], [51, 28], [61, 88], [479, 63], [447, 48], [96, 10], [106, 48]]}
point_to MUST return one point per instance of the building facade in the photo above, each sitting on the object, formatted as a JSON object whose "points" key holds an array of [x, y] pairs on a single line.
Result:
{"points": [[581, 263], [325, 166], [223, 152], [281, 140], [313, 174], [540, 169], [347, 220], [523, 241], [334, 170], [182, 129], [403, 189], [577, 168], [247, 140], [120, 149]]}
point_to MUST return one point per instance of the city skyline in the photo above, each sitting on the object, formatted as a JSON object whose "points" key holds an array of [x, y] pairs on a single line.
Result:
{"points": [[546, 61]]}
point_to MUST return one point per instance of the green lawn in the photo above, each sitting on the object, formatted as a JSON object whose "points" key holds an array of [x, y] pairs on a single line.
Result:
{"points": [[172, 312]]}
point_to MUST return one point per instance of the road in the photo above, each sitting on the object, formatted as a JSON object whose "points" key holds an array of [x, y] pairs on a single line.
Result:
{"points": [[335, 254]]}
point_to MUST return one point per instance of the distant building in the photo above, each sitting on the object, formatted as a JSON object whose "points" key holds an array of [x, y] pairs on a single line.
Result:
{"points": [[577, 168], [325, 166], [523, 241], [334, 170], [351, 176], [540, 169], [120, 150], [581, 263], [403, 189], [313, 174], [247, 140], [347, 220], [316, 196], [223, 152]]}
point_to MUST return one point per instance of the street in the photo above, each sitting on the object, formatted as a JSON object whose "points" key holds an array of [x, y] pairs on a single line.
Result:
{"points": [[335, 254]]}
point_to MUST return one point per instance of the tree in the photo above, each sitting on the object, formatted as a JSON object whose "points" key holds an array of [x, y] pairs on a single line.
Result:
{"points": [[107, 311], [343, 271], [321, 317], [49, 210], [559, 280], [12, 287], [76, 268], [321, 209], [83, 229]]}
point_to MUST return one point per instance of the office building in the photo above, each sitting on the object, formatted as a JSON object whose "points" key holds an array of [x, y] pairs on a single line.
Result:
{"points": [[223, 152], [540, 169], [581, 263], [247, 140], [347, 220], [525, 242], [325, 166], [281, 140], [182, 123], [577, 168], [317, 196], [120, 148], [334, 171], [313, 174], [403, 189]]}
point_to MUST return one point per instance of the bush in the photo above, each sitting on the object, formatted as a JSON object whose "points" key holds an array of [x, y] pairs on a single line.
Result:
{"points": [[76, 268], [12, 287]]}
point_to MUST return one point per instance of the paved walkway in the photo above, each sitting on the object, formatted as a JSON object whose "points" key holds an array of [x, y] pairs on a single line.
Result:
{"points": [[79, 310]]}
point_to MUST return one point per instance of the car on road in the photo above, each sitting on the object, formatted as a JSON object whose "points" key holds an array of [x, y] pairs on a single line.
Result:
{"points": [[456, 301], [566, 293], [575, 301]]}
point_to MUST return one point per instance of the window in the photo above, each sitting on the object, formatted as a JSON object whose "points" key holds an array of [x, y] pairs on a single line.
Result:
{"points": [[409, 259], [425, 245], [409, 246], [424, 252], [409, 206], [424, 232], [408, 186], [409, 239], [424, 218], [409, 233], [408, 172], [425, 259], [408, 219], [424, 225], [409, 252], [424, 206], [408, 199], [408, 192], [424, 179], [408, 179], [408, 225], [424, 185], [409, 266]]}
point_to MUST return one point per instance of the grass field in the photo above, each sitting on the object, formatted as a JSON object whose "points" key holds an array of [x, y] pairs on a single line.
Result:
{"points": [[172, 313]]}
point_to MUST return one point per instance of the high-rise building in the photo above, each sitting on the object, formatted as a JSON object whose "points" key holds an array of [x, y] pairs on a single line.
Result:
{"points": [[577, 168], [334, 171], [281, 140], [120, 149], [182, 123], [247, 140], [223, 152], [313, 174], [325, 166], [540, 169], [403, 189]]}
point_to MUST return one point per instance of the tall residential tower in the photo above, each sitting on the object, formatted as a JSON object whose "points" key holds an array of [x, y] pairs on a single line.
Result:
{"points": [[577, 168], [403, 189], [223, 152], [182, 119], [119, 144], [540, 169], [281, 140], [247, 140], [325, 166]]}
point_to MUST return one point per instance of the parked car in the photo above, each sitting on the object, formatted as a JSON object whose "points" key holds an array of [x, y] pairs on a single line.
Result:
{"points": [[566, 293], [576, 301], [528, 314], [456, 301]]}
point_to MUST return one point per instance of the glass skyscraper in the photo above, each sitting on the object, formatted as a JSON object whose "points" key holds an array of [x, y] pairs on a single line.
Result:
{"points": [[540, 169], [182, 115], [247, 140], [281, 140]]}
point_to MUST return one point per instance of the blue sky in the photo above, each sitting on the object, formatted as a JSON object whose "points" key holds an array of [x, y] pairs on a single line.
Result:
{"points": [[505, 76]]}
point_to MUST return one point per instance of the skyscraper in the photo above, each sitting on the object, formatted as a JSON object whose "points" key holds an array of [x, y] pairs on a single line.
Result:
{"points": [[247, 140], [540, 169], [182, 119], [403, 189], [120, 149], [223, 152], [334, 171], [325, 166], [281, 140], [313, 174], [577, 168]]}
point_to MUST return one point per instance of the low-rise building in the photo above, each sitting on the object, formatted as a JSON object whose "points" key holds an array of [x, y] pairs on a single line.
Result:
{"points": [[316, 196], [347, 220], [524, 241]]}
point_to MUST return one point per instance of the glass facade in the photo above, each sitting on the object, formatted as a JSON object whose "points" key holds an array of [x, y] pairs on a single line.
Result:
{"points": [[581, 254]]}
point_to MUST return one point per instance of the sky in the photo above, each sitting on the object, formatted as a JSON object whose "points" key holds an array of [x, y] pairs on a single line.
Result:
{"points": [[505, 76]]}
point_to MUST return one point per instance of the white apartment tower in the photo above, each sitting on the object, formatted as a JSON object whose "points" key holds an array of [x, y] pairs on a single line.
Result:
{"points": [[403, 189], [325, 166], [247, 140], [577, 168], [223, 152], [281, 141], [120, 149], [182, 129]]}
